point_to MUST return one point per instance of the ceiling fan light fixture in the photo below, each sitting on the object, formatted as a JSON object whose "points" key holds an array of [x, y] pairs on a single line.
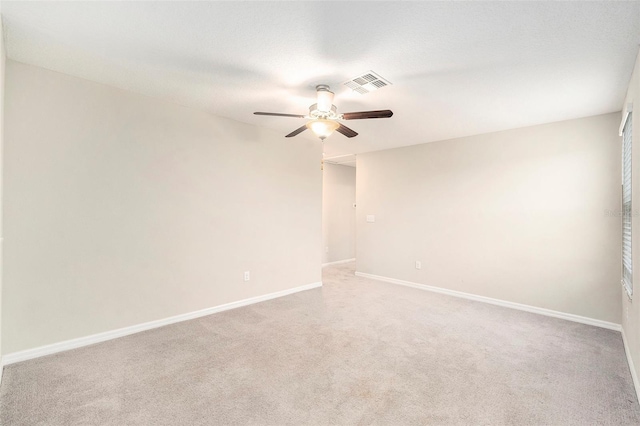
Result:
{"points": [[322, 128], [323, 115]]}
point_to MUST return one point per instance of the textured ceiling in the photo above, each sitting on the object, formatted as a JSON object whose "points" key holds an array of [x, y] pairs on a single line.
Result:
{"points": [[457, 68]]}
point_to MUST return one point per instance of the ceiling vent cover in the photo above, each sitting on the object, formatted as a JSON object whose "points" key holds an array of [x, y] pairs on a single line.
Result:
{"points": [[367, 82]]}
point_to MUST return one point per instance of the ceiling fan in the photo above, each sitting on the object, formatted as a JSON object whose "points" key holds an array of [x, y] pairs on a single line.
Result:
{"points": [[324, 115]]}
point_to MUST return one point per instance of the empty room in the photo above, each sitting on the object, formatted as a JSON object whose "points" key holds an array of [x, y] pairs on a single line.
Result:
{"points": [[319, 213]]}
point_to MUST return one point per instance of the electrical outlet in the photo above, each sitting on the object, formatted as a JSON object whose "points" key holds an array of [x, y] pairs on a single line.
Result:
{"points": [[326, 249], [247, 275], [418, 264]]}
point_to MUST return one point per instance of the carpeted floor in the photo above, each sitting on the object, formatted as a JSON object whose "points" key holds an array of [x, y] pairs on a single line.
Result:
{"points": [[354, 352]]}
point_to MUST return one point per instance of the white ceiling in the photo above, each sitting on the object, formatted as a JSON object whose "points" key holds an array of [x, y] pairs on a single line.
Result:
{"points": [[457, 68]]}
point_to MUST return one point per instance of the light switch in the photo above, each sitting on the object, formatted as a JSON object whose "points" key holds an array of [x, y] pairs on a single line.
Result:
{"points": [[371, 218]]}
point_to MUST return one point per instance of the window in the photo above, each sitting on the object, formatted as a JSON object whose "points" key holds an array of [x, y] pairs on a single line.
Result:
{"points": [[627, 216]]}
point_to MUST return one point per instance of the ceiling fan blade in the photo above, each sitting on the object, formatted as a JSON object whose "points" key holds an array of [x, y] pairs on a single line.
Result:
{"points": [[385, 113], [297, 131], [346, 131], [277, 114]]}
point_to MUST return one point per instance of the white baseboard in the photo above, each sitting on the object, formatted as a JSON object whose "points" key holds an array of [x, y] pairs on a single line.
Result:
{"points": [[504, 303], [108, 335], [338, 262], [632, 368]]}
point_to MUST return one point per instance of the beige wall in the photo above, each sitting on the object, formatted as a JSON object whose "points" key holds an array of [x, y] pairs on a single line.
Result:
{"points": [[338, 214], [631, 307], [516, 215], [2, 68], [122, 209]]}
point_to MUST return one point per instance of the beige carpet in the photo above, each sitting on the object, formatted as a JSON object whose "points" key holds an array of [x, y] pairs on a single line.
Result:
{"points": [[354, 352]]}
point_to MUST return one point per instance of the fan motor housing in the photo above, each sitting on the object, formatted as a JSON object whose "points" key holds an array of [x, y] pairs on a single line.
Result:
{"points": [[331, 115]]}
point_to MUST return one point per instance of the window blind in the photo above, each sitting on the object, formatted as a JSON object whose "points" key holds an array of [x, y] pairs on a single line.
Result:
{"points": [[627, 215]]}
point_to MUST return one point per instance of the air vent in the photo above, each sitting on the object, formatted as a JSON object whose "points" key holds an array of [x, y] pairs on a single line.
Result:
{"points": [[366, 83]]}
